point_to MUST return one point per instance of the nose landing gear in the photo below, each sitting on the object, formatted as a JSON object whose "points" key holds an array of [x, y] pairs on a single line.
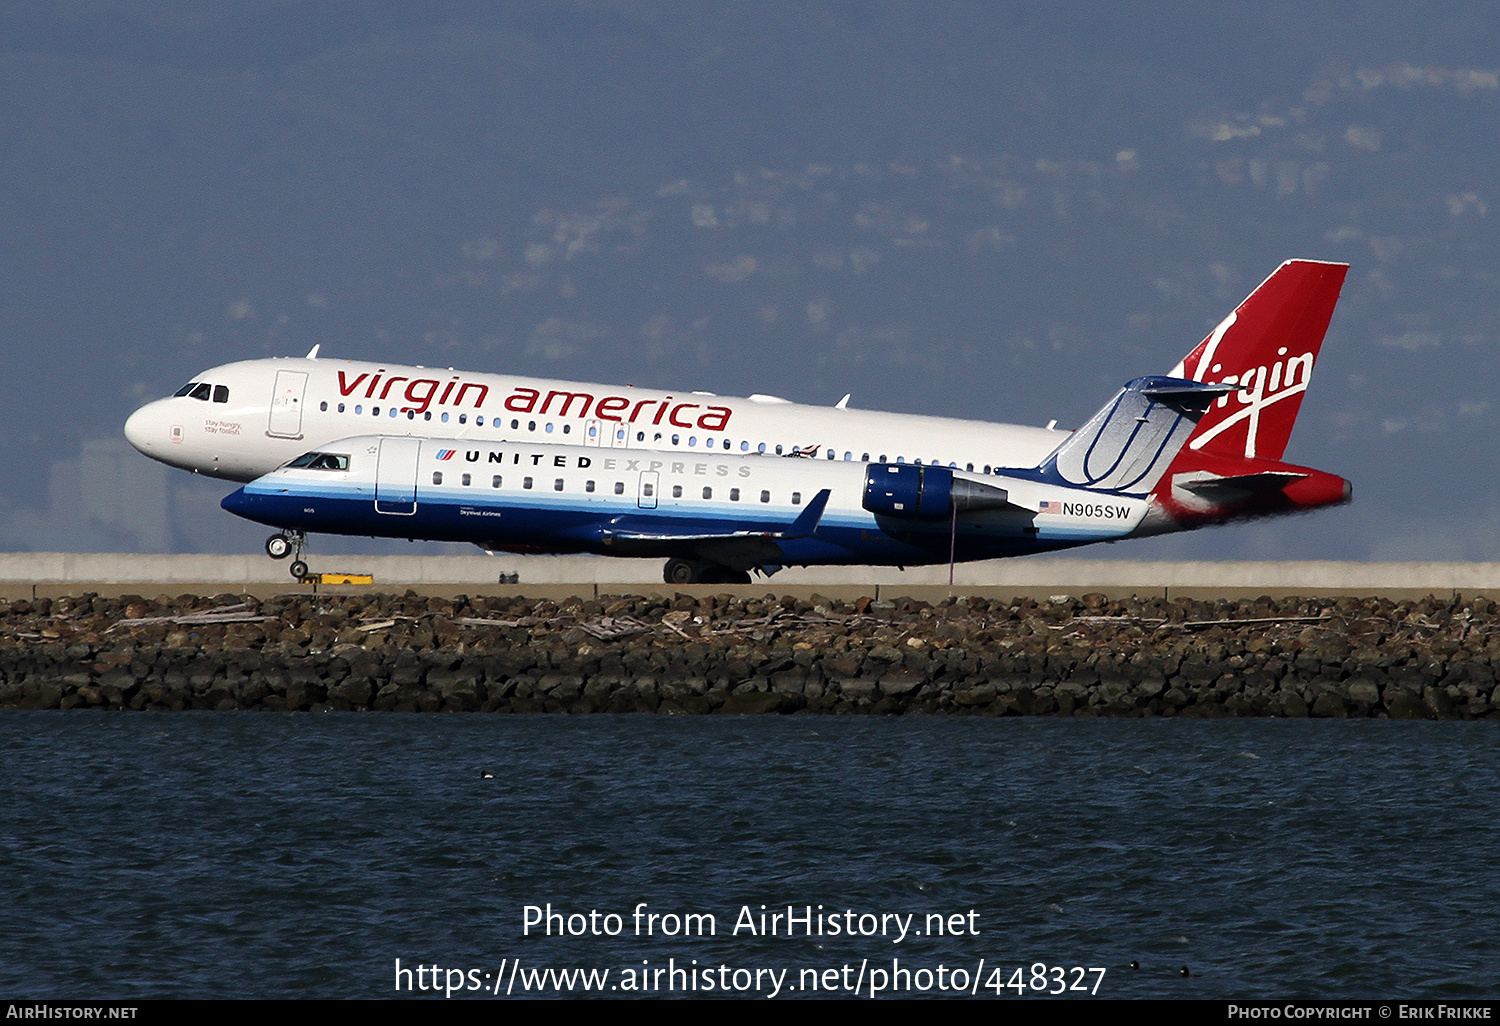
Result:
{"points": [[280, 546]]}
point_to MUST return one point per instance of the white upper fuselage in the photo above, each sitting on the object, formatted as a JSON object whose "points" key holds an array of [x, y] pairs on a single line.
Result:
{"points": [[246, 419]]}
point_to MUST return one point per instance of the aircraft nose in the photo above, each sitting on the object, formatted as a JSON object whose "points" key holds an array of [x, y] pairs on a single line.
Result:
{"points": [[139, 429], [236, 502]]}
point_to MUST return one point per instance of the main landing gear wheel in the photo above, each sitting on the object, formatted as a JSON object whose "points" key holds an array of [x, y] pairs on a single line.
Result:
{"points": [[679, 571], [278, 546], [701, 571]]}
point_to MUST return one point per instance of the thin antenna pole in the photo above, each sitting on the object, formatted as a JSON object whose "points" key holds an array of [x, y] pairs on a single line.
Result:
{"points": [[952, 544]]}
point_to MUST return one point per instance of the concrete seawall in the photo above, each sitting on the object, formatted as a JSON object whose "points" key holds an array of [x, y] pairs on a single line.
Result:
{"points": [[33, 575]]}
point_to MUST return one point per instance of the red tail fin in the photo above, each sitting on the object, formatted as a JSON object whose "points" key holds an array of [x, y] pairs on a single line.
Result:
{"points": [[1268, 347]]}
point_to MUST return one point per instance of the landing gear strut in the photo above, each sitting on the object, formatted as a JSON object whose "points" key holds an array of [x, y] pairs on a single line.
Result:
{"points": [[701, 571], [280, 546]]}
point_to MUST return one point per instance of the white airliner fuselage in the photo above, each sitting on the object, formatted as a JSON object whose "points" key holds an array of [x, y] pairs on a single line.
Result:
{"points": [[242, 420]]}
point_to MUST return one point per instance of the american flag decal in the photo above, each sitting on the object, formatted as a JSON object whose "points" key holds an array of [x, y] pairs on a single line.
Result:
{"points": [[1050, 507]]}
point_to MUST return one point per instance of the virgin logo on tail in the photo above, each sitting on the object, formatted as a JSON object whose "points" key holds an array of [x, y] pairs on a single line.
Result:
{"points": [[1260, 388], [1267, 347]]}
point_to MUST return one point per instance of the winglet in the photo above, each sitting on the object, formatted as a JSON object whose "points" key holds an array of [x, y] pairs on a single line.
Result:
{"points": [[807, 523]]}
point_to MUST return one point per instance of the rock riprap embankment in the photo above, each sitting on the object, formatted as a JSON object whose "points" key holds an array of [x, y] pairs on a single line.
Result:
{"points": [[1433, 659]]}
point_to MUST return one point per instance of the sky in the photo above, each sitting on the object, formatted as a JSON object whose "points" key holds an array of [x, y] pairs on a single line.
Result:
{"points": [[999, 211]]}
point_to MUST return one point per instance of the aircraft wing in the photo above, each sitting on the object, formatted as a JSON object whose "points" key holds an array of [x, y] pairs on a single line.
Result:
{"points": [[738, 549]]}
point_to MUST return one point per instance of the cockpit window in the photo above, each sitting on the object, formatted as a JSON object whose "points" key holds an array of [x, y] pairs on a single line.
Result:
{"points": [[320, 461], [184, 390], [221, 393], [201, 391]]}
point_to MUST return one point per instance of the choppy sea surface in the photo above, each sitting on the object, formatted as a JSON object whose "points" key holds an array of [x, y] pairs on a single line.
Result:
{"points": [[284, 855]]}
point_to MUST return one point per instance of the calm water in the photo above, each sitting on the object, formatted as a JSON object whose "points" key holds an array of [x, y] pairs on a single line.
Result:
{"points": [[185, 854]]}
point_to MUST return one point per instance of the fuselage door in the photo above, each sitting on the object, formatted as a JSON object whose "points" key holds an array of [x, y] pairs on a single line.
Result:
{"points": [[650, 482], [286, 404], [396, 476], [593, 432], [619, 435]]}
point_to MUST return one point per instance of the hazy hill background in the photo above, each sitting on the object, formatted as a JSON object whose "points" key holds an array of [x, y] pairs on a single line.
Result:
{"points": [[997, 211]]}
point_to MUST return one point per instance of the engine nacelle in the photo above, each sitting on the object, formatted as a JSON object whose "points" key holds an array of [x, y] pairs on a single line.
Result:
{"points": [[913, 491]]}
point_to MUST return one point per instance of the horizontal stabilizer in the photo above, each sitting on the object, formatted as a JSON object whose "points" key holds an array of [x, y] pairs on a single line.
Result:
{"points": [[1187, 395], [1221, 489]]}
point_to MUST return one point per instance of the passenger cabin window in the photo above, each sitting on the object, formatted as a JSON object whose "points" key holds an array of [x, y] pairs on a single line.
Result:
{"points": [[526, 482], [465, 480], [588, 486], [796, 498], [437, 477], [708, 493], [677, 491], [734, 495], [619, 487], [320, 461], [557, 485], [495, 481], [765, 496]]}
